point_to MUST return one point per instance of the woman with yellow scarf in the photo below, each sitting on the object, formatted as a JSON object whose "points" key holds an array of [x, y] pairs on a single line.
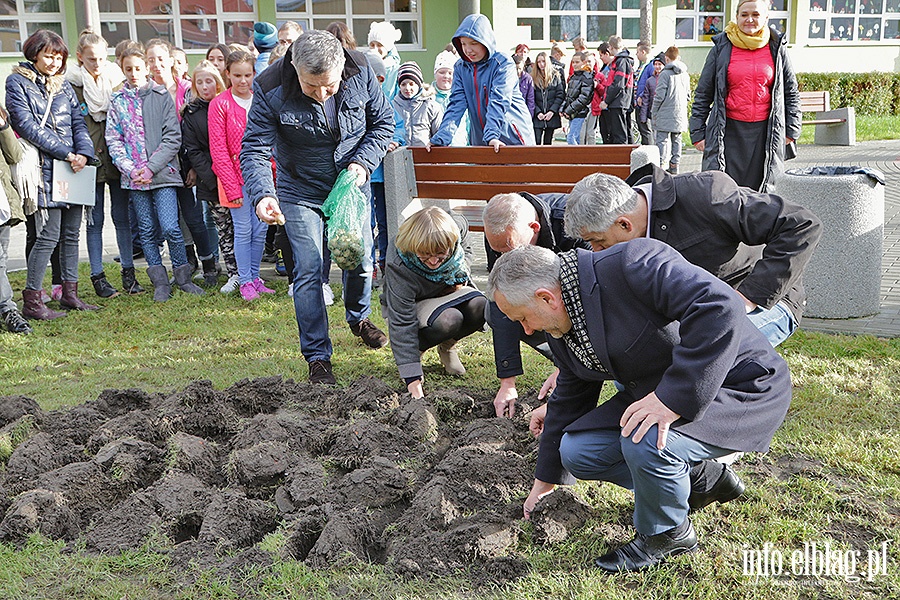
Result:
{"points": [[746, 106]]}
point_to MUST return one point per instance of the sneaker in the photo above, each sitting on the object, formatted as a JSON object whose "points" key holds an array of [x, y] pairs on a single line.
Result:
{"points": [[371, 335], [327, 294], [56, 292], [290, 290], [231, 285], [268, 257], [248, 291], [320, 372], [15, 322], [260, 286], [280, 269]]}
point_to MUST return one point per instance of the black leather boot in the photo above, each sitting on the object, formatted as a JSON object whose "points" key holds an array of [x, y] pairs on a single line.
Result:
{"points": [[210, 276], [646, 551], [130, 283], [102, 286]]}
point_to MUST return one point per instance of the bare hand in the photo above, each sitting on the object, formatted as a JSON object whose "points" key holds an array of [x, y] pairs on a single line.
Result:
{"points": [[549, 385], [393, 146], [750, 304], [603, 105], [536, 423], [427, 146], [190, 180], [538, 491], [78, 162], [269, 212], [361, 174], [505, 400], [415, 389], [644, 414], [496, 144], [639, 102], [788, 140], [701, 145]]}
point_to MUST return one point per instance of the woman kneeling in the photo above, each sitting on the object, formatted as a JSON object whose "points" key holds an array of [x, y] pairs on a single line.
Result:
{"points": [[429, 297]]}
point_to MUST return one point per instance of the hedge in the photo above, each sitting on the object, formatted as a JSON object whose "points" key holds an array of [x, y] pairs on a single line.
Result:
{"points": [[869, 93]]}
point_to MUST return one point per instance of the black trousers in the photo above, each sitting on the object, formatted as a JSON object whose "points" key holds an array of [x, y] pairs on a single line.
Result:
{"points": [[616, 126]]}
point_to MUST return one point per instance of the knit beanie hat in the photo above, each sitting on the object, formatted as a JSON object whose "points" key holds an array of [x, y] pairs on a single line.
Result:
{"points": [[376, 63], [385, 34], [445, 60], [410, 70], [660, 58], [265, 36]]}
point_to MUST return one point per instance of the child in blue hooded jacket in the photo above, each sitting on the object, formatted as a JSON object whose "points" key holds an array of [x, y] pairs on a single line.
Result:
{"points": [[486, 83]]}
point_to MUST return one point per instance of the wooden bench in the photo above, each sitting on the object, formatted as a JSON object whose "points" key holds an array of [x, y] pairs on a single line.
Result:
{"points": [[465, 178], [833, 127]]}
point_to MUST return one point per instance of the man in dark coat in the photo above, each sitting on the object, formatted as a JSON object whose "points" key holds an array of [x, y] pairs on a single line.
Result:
{"points": [[700, 381], [510, 221], [321, 110], [713, 223]]}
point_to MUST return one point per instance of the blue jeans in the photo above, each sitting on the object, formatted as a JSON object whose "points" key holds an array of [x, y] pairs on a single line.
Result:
{"points": [[304, 227], [776, 323], [379, 221], [55, 227], [660, 478], [6, 294], [212, 232], [154, 208], [249, 241], [192, 213], [119, 209], [575, 125]]}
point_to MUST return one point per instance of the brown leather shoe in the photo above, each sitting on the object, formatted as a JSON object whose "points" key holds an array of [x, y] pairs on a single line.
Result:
{"points": [[320, 372], [34, 307], [371, 335], [71, 300]]}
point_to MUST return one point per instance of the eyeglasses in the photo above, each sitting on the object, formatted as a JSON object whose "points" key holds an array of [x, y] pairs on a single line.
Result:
{"points": [[429, 257]]}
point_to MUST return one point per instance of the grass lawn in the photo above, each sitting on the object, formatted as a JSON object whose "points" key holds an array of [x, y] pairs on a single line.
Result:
{"points": [[832, 475]]}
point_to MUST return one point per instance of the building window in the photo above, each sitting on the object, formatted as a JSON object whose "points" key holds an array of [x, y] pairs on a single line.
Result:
{"points": [[358, 15], [20, 18], [594, 20], [854, 20], [188, 24], [700, 20]]}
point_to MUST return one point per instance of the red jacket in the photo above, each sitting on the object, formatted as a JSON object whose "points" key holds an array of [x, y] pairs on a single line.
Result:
{"points": [[750, 77], [600, 83], [227, 122]]}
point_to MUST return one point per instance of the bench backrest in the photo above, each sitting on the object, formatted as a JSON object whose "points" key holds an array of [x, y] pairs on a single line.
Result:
{"points": [[449, 177], [815, 101]]}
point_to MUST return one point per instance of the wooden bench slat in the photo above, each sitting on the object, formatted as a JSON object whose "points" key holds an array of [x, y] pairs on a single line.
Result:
{"points": [[521, 155], [514, 174], [816, 101], [484, 191]]}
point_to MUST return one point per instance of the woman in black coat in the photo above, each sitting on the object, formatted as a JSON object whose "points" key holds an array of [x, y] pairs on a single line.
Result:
{"points": [[549, 94], [44, 111]]}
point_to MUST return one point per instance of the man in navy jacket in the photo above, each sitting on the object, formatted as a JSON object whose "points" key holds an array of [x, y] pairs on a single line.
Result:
{"points": [[318, 111], [700, 381]]}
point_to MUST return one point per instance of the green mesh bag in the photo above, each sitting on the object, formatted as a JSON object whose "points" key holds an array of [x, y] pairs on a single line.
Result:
{"points": [[345, 208]]}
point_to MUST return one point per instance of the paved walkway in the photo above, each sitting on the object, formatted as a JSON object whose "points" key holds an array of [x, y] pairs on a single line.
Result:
{"points": [[884, 156]]}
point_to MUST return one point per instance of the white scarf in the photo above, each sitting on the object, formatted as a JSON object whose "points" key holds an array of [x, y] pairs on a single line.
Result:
{"points": [[98, 91]]}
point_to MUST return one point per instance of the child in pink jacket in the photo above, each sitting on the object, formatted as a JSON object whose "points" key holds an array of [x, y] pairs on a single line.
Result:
{"points": [[227, 122]]}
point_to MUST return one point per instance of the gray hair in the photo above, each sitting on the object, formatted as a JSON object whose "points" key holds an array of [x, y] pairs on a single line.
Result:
{"points": [[507, 210], [318, 53], [596, 202], [520, 273]]}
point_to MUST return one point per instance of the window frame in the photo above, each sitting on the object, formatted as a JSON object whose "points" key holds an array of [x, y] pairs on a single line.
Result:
{"points": [[23, 19], [828, 14], [308, 17], [545, 13]]}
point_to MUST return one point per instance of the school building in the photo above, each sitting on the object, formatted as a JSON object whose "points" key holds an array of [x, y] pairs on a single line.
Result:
{"points": [[825, 35]]}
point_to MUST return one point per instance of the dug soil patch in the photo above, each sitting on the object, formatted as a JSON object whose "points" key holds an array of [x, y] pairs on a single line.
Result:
{"points": [[426, 487]]}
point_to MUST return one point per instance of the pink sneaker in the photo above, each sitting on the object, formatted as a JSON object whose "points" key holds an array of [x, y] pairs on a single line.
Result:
{"points": [[248, 291], [260, 286], [56, 292]]}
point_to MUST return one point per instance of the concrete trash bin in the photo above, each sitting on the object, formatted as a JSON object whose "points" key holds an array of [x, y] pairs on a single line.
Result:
{"points": [[843, 278]]}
